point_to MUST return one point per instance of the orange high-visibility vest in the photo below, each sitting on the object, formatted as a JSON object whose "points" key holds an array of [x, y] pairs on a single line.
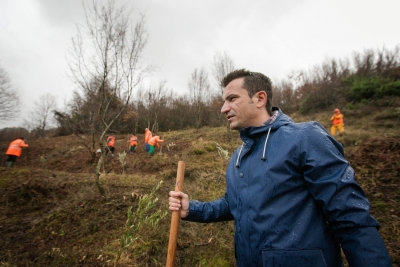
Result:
{"points": [[337, 119], [133, 140], [15, 147], [155, 140], [110, 141], [147, 135]]}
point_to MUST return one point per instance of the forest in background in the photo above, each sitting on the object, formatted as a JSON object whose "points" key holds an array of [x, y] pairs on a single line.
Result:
{"points": [[344, 84]]}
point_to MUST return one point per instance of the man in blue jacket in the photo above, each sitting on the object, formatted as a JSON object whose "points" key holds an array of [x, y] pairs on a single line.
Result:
{"points": [[289, 189]]}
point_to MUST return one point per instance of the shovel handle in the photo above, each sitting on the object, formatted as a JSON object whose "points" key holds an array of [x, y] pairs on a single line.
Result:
{"points": [[175, 218]]}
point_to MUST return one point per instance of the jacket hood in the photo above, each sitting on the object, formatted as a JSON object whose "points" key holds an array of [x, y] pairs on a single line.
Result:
{"points": [[249, 134], [280, 120]]}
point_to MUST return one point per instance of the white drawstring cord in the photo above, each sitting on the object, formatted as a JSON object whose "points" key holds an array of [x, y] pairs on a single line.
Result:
{"points": [[237, 160], [263, 156], [265, 145]]}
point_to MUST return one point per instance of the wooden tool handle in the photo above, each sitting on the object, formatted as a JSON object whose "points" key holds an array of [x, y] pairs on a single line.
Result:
{"points": [[175, 218]]}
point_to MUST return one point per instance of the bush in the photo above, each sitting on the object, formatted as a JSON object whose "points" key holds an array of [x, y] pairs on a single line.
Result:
{"points": [[391, 88], [359, 88], [198, 151]]}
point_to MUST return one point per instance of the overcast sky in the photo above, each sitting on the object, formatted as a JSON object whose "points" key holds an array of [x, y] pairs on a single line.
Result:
{"points": [[272, 37]]}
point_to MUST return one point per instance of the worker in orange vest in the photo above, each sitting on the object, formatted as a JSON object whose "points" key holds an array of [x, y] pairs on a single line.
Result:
{"points": [[154, 142], [147, 135], [14, 151], [337, 122], [132, 143], [110, 144]]}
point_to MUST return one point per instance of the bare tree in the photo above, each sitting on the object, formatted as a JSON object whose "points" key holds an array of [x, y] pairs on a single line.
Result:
{"points": [[9, 100], [199, 90], [81, 119], [8, 134], [107, 52], [180, 113], [41, 118], [157, 99], [284, 95], [222, 65]]}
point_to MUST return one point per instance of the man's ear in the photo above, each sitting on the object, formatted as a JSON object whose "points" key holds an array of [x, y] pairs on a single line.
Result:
{"points": [[261, 99]]}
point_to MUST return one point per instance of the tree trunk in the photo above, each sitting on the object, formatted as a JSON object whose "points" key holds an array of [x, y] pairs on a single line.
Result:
{"points": [[97, 175]]}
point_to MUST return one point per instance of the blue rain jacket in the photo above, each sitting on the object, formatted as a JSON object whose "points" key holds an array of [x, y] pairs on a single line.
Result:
{"points": [[294, 201]]}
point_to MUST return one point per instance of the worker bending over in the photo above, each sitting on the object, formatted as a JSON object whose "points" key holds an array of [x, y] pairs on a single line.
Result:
{"points": [[154, 142], [14, 151]]}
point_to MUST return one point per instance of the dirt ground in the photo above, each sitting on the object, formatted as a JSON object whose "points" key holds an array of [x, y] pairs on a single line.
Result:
{"points": [[377, 166], [55, 174]]}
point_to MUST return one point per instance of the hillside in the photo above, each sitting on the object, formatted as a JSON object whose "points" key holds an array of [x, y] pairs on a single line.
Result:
{"points": [[53, 215]]}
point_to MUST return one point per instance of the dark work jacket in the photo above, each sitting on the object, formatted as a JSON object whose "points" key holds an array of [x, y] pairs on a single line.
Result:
{"points": [[294, 200]]}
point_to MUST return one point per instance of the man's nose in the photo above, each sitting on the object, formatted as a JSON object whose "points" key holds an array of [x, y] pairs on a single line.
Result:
{"points": [[225, 108]]}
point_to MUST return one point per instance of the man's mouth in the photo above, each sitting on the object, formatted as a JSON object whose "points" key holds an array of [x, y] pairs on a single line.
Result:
{"points": [[229, 117]]}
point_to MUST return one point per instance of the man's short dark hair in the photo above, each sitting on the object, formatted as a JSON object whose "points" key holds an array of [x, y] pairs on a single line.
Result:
{"points": [[253, 82]]}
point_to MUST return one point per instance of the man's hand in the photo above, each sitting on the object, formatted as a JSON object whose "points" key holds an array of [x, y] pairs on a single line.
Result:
{"points": [[179, 201]]}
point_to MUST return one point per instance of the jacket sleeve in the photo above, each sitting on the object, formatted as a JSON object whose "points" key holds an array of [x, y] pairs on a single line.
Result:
{"points": [[23, 144], [331, 181], [214, 211]]}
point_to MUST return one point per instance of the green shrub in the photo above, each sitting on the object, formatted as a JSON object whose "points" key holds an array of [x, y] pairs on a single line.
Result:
{"points": [[390, 88], [139, 222], [210, 147], [359, 88], [198, 151]]}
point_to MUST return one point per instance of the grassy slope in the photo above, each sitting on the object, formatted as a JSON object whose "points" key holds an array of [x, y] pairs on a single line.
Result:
{"points": [[52, 214]]}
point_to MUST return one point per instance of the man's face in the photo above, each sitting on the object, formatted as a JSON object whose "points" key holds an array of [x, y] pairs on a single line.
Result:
{"points": [[239, 108]]}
